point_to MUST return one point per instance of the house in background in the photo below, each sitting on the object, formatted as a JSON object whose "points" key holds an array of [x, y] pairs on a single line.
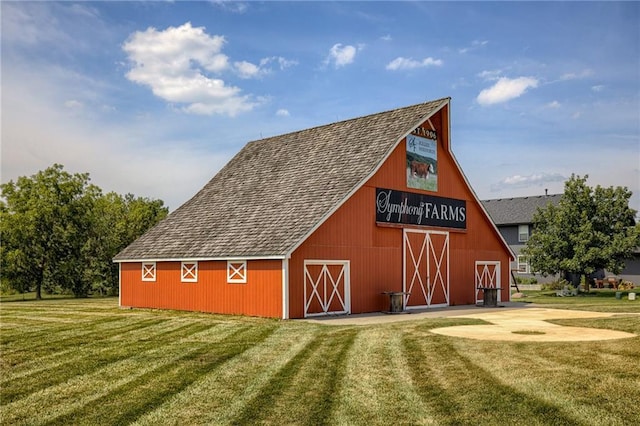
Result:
{"points": [[514, 219], [327, 221]]}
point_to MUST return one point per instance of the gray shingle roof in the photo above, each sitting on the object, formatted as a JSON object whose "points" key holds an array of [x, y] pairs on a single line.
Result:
{"points": [[276, 190], [517, 211]]}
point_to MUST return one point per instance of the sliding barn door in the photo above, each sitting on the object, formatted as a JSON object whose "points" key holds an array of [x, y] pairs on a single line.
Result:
{"points": [[326, 287], [426, 268]]}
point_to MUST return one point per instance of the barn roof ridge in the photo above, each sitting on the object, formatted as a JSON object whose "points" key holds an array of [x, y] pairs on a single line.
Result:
{"points": [[338, 122], [276, 190]]}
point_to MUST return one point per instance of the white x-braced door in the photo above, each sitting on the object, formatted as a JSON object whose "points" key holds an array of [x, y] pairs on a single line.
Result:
{"points": [[426, 268], [487, 276], [326, 287]]}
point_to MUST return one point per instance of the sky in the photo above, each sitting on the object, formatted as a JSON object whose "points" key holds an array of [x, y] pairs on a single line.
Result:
{"points": [[153, 98]]}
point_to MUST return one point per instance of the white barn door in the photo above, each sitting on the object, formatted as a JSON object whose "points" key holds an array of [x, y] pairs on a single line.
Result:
{"points": [[487, 275], [426, 268], [326, 287]]}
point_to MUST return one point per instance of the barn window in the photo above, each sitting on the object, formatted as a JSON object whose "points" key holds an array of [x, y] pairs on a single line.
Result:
{"points": [[237, 271], [523, 265], [148, 271], [523, 233], [189, 272]]}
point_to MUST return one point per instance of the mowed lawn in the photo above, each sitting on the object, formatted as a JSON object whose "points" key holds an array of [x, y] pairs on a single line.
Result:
{"points": [[88, 362]]}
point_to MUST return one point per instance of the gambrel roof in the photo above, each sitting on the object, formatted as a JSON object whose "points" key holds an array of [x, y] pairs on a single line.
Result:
{"points": [[519, 210], [275, 191]]}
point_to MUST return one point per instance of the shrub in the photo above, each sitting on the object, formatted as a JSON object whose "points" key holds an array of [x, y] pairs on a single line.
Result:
{"points": [[556, 285]]}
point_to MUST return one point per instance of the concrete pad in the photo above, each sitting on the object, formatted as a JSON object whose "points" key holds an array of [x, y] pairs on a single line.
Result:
{"points": [[531, 326], [514, 322]]}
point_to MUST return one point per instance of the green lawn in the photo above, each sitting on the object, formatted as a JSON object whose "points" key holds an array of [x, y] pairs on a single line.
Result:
{"points": [[596, 300], [88, 362]]}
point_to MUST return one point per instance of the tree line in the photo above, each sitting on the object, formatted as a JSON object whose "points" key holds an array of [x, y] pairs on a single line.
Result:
{"points": [[59, 233]]}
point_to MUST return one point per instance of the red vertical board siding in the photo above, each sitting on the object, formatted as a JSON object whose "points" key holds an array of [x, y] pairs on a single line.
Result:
{"points": [[375, 252], [261, 295]]}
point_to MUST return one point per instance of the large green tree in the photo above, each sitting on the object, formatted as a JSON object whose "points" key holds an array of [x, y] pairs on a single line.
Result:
{"points": [[589, 229], [42, 228], [117, 221], [58, 232]]}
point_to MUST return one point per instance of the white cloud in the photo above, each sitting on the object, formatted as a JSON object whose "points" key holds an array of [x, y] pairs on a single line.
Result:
{"points": [[178, 63], [282, 113], [340, 55], [247, 69], [506, 89], [490, 75], [386, 37], [553, 105], [283, 63], [401, 63], [575, 76], [597, 88], [231, 6], [475, 44], [85, 143], [519, 181]]}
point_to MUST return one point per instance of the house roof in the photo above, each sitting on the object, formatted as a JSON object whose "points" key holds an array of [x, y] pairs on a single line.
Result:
{"points": [[517, 211], [275, 191]]}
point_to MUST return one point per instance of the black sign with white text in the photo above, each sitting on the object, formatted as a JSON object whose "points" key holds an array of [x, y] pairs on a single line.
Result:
{"points": [[419, 209]]}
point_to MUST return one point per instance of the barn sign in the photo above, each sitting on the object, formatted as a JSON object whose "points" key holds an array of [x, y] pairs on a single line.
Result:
{"points": [[422, 161], [409, 208]]}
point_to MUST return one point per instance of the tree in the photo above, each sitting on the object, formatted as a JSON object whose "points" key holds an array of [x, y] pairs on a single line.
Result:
{"points": [[117, 222], [589, 229], [42, 226], [59, 232]]}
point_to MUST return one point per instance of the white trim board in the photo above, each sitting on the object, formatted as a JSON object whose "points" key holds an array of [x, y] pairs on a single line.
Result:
{"points": [[201, 259]]}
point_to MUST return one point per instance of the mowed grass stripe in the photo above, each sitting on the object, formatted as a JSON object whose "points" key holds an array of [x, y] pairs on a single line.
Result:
{"points": [[153, 388], [52, 344], [312, 374], [574, 384], [378, 382], [303, 392], [462, 393], [89, 389], [235, 383], [91, 306], [86, 360], [37, 362], [37, 331]]}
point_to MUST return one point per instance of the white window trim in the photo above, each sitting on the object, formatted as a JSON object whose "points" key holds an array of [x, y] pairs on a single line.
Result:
{"points": [[237, 275], [524, 262], [191, 275], [520, 234], [149, 271]]}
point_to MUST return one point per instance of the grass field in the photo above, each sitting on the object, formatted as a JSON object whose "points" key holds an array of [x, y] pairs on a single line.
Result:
{"points": [[596, 300], [88, 362]]}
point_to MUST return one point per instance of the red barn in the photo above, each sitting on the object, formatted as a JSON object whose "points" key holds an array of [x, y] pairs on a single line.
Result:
{"points": [[325, 221]]}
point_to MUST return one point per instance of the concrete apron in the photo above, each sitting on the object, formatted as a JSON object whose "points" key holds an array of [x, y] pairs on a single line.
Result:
{"points": [[514, 322]]}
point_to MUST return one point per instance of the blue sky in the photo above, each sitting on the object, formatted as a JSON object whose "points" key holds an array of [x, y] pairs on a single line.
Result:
{"points": [[154, 98]]}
